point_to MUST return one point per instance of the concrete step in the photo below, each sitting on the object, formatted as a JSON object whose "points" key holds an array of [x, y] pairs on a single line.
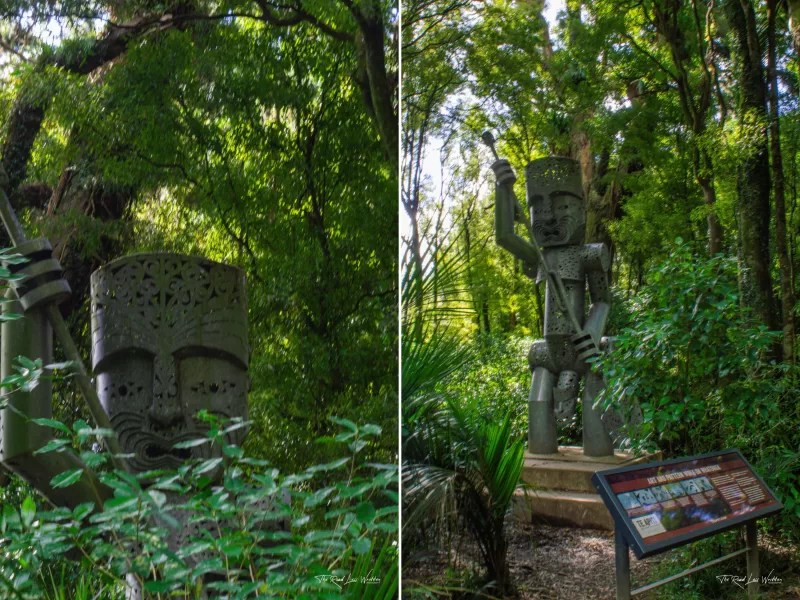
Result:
{"points": [[570, 470], [567, 476], [564, 508]]}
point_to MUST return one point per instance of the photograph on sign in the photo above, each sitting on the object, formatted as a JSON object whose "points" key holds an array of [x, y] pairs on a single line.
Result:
{"points": [[669, 500]]}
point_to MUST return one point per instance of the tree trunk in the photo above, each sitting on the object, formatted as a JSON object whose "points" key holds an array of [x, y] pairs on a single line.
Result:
{"points": [[710, 198], [794, 22], [753, 175], [787, 291], [695, 101]]}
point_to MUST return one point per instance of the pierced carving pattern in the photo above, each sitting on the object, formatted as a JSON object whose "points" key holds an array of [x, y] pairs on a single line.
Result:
{"points": [[555, 172], [169, 339], [138, 298], [565, 395]]}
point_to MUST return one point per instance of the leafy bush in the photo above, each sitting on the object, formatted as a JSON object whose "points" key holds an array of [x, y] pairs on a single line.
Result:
{"points": [[341, 540], [497, 377], [462, 471], [699, 367]]}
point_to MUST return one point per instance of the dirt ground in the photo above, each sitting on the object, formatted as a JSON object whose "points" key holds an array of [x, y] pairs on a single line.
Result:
{"points": [[555, 563]]}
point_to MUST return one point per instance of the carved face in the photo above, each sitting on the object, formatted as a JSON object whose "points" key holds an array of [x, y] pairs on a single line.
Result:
{"points": [[169, 338], [555, 197]]}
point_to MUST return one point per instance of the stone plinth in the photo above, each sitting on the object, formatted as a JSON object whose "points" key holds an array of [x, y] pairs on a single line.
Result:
{"points": [[563, 493]]}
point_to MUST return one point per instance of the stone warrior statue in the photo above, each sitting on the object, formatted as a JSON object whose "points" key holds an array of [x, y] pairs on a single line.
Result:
{"points": [[169, 338], [558, 224]]}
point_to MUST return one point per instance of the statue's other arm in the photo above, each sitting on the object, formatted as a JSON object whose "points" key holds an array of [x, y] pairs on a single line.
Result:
{"points": [[506, 207], [596, 263]]}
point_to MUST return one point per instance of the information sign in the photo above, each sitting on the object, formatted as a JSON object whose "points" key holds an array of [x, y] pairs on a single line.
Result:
{"points": [[663, 505]]}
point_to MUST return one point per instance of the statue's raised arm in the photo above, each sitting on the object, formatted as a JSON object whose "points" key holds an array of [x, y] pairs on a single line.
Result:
{"points": [[507, 210]]}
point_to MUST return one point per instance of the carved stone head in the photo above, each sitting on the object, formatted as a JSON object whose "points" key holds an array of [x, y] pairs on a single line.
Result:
{"points": [[169, 338], [555, 197]]}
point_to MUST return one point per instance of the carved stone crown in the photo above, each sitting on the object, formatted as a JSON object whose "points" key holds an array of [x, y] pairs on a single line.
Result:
{"points": [[554, 174], [162, 303]]}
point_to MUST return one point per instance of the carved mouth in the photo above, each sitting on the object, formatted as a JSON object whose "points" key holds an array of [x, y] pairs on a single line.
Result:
{"points": [[554, 234], [155, 451]]}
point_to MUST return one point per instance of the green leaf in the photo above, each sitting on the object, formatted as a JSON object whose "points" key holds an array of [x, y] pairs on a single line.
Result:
{"points": [[67, 478], [207, 465], [344, 423], [61, 365], [158, 587], [10, 519], [191, 443], [336, 464], [318, 496], [357, 446], [28, 363], [370, 430], [52, 445], [233, 451], [82, 510], [28, 511], [365, 512], [361, 545]]}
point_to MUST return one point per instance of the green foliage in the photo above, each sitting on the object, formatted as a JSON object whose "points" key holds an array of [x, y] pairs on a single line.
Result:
{"points": [[341, 541], [461, 469], [698, 366], [250, 143], [461, 466]]}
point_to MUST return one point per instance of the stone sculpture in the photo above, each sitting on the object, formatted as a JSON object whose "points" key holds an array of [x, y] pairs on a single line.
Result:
{"points": [[169, 338], [567, 264]]}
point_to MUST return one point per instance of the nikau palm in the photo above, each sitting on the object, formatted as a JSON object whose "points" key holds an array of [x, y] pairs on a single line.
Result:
{"points": [[461, 467]]}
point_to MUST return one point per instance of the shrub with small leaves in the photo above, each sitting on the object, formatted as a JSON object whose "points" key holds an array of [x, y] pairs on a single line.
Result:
{"points": [[248, 531], [698, 364]]}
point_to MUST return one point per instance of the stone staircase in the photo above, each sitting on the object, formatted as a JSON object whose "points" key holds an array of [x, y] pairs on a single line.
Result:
{"points": [[563, 493]]}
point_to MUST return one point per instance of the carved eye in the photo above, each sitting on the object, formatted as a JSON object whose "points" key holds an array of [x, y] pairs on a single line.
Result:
{"points": [[213, 388]]}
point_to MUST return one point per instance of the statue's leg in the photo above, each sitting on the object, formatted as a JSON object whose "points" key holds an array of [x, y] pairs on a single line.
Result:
{"points": [[565, 395], [596, 440], [542, 436]]}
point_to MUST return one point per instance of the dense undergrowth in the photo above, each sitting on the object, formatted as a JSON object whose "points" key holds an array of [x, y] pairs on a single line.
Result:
{"points": [[704, 376], [326, 532]]}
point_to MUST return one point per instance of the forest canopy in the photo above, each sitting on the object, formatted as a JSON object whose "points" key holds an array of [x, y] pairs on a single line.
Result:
{"points": [[258, 134]]}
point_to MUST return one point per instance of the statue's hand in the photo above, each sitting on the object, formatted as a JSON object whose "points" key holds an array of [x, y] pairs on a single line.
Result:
{"points": [[585, 345], [503, 172]]}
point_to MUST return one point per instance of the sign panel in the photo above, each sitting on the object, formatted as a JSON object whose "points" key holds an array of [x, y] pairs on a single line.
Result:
{"points": [[667, 504]]}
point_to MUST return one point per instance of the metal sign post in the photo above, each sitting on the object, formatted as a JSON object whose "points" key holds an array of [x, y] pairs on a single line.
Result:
{"points": [[623, 570]]}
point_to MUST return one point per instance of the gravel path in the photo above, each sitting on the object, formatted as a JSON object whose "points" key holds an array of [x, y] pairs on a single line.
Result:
{"points": [[556, 563]]}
